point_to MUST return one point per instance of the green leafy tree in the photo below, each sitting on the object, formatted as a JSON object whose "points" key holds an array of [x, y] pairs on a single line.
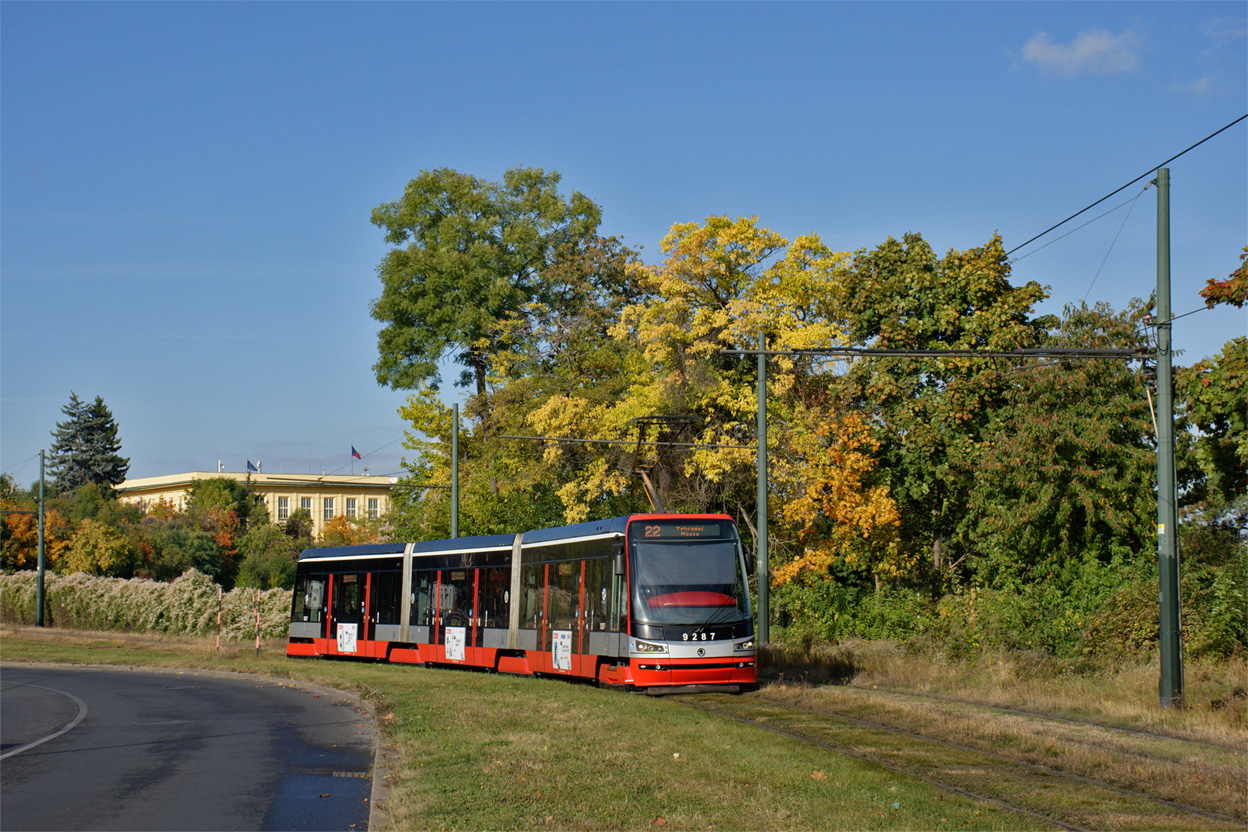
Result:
{"points": [[500, 487], [172, 545], [1214, 397], [550, 347], [85, 447], [468, 254], [224, 494], [95, 502], [929, 413], [1065, 470], [298, 527], [269, 557]]}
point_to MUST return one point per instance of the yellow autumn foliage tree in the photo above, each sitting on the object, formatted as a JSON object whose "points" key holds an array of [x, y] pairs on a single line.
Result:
{"points": [[98, 549], [721, 283], [831, 511]]}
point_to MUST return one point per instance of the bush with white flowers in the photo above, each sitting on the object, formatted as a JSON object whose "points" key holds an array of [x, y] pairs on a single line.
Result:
{"points": [[188, 606]]}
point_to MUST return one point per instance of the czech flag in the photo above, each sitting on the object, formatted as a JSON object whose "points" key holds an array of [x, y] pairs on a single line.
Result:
{"points": [[355, 454]]}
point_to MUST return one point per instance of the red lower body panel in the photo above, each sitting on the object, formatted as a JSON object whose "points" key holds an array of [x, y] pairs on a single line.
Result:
{"points": [[645, 673]]}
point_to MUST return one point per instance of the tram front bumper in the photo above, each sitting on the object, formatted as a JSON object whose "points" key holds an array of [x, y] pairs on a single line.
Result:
{"points": [[653, 672]]}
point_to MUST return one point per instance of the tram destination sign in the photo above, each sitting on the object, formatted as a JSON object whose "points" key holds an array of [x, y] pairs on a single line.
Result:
{"points": [[676, 530]]}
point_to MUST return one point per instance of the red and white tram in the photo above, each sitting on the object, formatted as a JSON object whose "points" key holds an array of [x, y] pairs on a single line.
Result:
{"points": [[656, 602]]}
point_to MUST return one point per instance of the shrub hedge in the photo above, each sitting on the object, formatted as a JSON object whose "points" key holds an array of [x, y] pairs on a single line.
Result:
{"points": [[187, 606]]}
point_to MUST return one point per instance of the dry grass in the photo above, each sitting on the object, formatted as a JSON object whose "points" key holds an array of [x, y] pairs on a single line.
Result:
{"points": [[959, 703], [1216, 694]]}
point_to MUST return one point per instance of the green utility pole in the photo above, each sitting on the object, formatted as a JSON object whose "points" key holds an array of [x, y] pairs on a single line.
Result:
{"points": [[1170, 687], [455, 470], [760, 547], [39, 582]]}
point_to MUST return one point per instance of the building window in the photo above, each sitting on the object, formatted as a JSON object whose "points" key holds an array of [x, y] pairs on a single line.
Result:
{"points": [[351, 507], [372, 508], [283, 508], [305, 503], [328, 503]]}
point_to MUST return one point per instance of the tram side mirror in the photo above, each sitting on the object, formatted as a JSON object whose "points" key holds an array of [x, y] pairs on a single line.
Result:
{"points": [[619, 558], [749, 561]]}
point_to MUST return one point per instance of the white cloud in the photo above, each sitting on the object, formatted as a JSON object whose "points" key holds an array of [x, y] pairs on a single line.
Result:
{"points": [[1201, 87], [1094, 51], [1224, 30]]}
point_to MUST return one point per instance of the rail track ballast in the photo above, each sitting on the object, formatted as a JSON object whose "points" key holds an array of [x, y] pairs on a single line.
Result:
{"points": [[654, 602]]}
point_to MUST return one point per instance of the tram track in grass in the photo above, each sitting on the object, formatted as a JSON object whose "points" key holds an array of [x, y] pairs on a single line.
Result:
{"points": [[1043, 768], [1102, 726]]}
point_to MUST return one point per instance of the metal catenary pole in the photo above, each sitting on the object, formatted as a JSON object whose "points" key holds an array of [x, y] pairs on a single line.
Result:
{"points": [[39, 582], [764, 576], [455, 470], [1170, 686]]}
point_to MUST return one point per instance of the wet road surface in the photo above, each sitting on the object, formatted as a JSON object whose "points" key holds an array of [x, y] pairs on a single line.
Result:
{"points": [[97, 749]]}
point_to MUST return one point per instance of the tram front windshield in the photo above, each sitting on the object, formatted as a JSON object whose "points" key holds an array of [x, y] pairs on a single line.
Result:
{"points": [[688, 577]]}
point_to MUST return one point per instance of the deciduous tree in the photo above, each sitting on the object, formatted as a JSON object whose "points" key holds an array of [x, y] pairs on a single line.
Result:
{"points": [[468, 254], [720, 284], [928, 413], [98, 549], [1065, 469], [1214, 396]]}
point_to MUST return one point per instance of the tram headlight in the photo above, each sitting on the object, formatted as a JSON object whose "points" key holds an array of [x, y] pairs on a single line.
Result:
{"points": [[648, 647], [742, 646]]}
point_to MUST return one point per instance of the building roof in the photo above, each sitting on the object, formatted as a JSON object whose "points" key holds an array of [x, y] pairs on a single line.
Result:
{"points": [[268, 481]]}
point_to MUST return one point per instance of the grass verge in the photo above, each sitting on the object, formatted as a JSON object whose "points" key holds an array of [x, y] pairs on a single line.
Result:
{"points": [[484, 751]]}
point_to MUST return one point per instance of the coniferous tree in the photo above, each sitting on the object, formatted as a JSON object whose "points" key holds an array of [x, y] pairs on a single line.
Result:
{"points": [[85, 447]]}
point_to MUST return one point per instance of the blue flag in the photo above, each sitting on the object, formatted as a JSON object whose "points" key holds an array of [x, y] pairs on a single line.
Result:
{"points": [[251, 466]]}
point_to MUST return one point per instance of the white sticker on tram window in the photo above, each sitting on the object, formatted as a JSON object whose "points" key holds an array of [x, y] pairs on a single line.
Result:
{"points": [[561, 650], [346, 637], [455, 643]]}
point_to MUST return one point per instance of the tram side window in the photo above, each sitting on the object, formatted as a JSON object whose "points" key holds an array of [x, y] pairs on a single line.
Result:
{"points": [[531, 588], [456, 607], [597, 592], [619, 603], [385, 605], [495, 586], [347, 605], [424, 584], [309, 599], [565, 580]]}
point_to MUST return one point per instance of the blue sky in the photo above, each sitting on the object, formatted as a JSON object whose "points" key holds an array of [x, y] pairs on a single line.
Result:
{"points": [[185, 188]]}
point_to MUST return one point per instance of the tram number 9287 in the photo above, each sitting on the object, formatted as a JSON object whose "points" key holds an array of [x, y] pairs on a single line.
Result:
{"points": [[619, 601]]}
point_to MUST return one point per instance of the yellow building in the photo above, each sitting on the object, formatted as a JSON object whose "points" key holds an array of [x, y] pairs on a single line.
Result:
{"points": [[324, 496]]}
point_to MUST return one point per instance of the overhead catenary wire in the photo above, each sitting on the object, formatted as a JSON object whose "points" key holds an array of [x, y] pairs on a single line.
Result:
{"points": [[1127, 354], [1113, 242], [1078, 228], [365, 455], [1149, 172], [568, 439]]}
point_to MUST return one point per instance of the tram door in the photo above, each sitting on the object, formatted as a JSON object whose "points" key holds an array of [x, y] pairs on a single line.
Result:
{"points": [[348, 625], [564, 616], [383, 610], [456, 604]]}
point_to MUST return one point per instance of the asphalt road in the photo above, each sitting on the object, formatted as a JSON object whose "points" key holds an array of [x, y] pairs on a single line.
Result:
{"points": [[102, 749]]}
